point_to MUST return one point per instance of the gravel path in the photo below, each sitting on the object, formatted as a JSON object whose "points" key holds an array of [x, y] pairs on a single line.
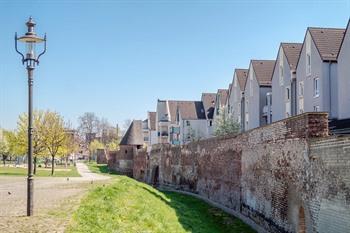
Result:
{"points": [[51, 196]]}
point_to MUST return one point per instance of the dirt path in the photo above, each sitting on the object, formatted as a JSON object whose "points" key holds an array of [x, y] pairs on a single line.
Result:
{"points": [[54, 201]]}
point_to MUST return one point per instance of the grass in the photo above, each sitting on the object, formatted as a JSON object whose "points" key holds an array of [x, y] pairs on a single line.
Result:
{"points": [[40, 172], [99, 168], [126, 205]]}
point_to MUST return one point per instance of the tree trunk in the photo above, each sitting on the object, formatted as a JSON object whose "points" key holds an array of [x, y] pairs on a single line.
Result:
{"points": [[34, 171], [4, 160], [52, 165], [65, 162]]}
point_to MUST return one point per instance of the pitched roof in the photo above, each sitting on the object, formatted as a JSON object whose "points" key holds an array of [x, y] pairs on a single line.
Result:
{"points": [[223, 93], [152, 120], [241, 77], [189, 110], [133, 135], [327, 41], [347, 30], [229, 89], [263, 71], [292, 53], [208, 100]]}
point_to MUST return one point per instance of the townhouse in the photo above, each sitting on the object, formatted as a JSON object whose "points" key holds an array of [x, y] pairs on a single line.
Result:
{"points": [[284, 81], [317, 71], [208, 100], [191, 121], [305, 77], [257, 94], [149, 130], [220, 104], [179, 122], [236, 98], [343, 94]]}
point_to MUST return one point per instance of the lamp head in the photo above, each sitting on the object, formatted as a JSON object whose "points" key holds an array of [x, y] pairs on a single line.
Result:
{"points": [[30, 36]]}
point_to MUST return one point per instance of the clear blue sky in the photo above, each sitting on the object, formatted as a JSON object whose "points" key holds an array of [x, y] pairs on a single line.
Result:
{"points": [[116, 58]]}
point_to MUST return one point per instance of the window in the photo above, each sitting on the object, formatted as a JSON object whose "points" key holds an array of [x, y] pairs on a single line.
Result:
{"points": [[316, 87], [301, 105], [251, 84], [301, 88], [316, 108], [308, 54], [281, 73], [188, 123], [287, 94], [308, 64]]}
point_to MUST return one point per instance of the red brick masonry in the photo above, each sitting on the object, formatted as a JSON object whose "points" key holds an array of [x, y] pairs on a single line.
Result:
{"points": [[286, 176]]}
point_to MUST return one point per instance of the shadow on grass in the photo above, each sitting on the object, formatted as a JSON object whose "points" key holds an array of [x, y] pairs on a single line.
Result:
{"points": [[197, 216]]}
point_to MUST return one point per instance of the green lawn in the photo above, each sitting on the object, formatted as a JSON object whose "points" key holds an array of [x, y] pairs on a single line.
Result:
{"points": [[40, 172], [125, 205], [99, 168]]}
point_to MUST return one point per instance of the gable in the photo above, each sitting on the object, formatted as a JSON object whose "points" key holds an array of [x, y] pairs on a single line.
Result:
{"points": [[346, 37]]}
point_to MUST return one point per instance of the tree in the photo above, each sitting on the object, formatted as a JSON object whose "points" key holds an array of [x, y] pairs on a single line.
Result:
{"points": [[54, 136], [225, 124], [89, 125], [71, 143], [39, 146], [4, 149]]}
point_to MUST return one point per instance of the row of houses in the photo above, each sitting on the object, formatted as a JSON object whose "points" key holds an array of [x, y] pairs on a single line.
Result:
{"points": [[310, 76]]}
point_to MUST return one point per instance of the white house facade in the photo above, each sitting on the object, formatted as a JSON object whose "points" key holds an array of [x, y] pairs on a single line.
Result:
{"points": [[317, 78], [255, 94], [284, 81]]}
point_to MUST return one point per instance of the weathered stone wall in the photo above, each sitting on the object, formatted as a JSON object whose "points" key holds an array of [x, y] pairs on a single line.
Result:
{"points": [[287, 177], [121, 161], [140, 165], [101, 157]]}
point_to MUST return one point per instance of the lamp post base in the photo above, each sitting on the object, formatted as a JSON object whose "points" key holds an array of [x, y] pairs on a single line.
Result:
{"points": [[30, 188]]}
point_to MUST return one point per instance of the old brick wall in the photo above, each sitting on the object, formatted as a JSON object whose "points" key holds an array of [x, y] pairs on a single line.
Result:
{"points": [[121, 161], [140, 165], [101, 157], [285, 176]]}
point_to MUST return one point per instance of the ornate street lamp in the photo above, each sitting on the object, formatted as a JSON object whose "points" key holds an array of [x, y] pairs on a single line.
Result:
{"points": [[30, 60]]}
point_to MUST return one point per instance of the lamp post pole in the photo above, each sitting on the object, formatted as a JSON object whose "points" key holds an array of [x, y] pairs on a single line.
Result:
{"points": [[30, 60], [30, 70]]}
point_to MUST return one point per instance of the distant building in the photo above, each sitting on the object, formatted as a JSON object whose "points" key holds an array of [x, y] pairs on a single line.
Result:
{"points": [[236, 98], [149, 130], [208, 100], [121, 161], [179, 122], [220, 103]]}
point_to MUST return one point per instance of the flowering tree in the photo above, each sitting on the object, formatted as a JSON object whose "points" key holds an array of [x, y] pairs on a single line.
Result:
{"points": [[225, 124]]}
